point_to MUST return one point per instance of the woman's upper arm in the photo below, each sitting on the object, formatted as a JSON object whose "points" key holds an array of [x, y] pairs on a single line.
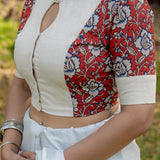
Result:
{"points": [[141, 114]]}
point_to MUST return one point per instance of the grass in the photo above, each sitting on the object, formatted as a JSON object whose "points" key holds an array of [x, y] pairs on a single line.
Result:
{"points": [[158, 76], [8, 30], [149, 142]]}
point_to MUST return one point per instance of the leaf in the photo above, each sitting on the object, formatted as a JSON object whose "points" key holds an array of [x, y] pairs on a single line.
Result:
{"points": [[139, 4], [103, 9], [106, 22], [90, 59], [88, 99], [131, 50], [82, 50], [133, 34], [141, 59]]}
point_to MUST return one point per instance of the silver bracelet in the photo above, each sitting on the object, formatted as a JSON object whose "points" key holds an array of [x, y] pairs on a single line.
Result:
{"points": [[13, 124], [13, 120], [10, 143]]}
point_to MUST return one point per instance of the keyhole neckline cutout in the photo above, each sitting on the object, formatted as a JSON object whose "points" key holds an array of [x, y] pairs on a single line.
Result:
{"points": [[55, 2]]}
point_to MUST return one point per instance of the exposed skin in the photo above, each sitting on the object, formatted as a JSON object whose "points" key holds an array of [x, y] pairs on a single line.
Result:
{"points": [[131, 122]]}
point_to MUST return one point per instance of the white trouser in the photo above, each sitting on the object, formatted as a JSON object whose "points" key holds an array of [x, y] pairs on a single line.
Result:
{"points": [[49, 143]]}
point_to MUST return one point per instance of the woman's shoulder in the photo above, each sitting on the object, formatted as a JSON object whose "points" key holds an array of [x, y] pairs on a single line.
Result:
{"points": [[26, 11]]}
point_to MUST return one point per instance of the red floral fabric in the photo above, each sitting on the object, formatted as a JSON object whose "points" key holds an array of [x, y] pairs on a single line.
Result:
{"points": [[132, 39]]}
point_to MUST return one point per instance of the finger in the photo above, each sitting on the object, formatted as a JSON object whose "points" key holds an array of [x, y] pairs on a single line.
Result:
{"points": [[30, 155], [21, 158]]}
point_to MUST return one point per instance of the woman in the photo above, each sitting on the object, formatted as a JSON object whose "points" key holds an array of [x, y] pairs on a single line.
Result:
{"points": [[77, 59]]}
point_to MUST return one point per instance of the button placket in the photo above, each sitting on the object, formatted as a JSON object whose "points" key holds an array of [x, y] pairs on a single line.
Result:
{"points": [[35, 82]]}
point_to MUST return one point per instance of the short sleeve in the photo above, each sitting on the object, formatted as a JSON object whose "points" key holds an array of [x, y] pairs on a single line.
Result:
{"points": [[26, 11], [132, 48], [17, 74]]}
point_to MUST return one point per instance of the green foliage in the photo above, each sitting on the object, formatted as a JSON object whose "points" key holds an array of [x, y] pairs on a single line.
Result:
{"points": [[149, 142], [8, 32], [158, 76], [157, 31]]}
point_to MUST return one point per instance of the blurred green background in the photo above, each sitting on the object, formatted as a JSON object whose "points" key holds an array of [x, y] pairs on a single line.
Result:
{"points": [[10, 12]]}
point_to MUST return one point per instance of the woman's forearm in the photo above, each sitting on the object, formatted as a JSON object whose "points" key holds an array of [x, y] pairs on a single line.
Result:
{"points": [[17, 104], [110, 138], [18, 95]]}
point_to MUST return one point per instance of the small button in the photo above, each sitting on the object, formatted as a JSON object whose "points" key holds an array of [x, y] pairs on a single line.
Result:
{"points": [[41, 123]]}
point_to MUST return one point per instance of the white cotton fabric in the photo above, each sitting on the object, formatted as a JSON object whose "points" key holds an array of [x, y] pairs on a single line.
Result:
{"points": [[137, 89], [49, 143]]}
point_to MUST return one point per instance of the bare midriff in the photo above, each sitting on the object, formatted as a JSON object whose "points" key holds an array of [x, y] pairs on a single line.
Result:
{"points": [[55, 121]]}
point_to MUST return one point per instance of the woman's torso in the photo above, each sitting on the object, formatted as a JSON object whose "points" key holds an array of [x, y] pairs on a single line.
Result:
{"points": [[66, 80], [77, 58]]}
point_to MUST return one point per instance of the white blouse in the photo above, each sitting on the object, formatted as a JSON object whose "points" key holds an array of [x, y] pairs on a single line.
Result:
{"points": [[74, 72]]}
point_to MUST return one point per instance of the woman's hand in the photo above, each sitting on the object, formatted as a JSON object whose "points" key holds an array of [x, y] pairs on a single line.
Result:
{"points": [[8, 152], [28, 155]]}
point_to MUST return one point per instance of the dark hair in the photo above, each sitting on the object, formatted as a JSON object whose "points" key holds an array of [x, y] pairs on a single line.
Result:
{"points": [[154, 1]]}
